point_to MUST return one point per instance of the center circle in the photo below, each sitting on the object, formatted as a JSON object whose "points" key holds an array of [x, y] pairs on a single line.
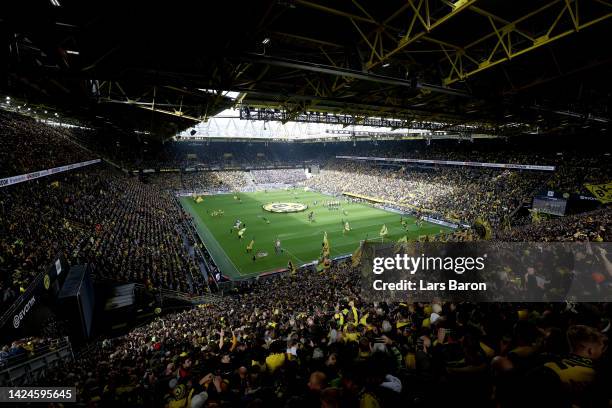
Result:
{"points": [[285, 207]]}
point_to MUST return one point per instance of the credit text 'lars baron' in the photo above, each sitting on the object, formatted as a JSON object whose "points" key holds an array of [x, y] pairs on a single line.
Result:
{"points": [[421, 285]]}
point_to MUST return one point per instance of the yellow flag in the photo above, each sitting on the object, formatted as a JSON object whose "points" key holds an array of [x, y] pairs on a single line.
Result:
{"points": [[291, 267], [536, 218], [325, 245], [400, 243], [356, 256], [603, 192], [483, 228]]}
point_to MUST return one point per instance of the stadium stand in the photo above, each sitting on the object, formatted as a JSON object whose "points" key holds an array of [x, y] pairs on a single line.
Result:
{"points": [[193, 195], [46, 146], [264, 342], [268, 344]]}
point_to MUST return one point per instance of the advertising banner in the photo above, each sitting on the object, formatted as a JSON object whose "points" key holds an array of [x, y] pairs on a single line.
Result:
{"points": [[453, 163], [42, 173], [20, 319]]}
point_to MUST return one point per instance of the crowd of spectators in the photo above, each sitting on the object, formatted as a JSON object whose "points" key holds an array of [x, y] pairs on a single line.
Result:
{"points": [[28, 145], [256, 155], [306, 339], [131, 230], [461, 194], [23, 349], [270, 345], [225, 180], [137, 237], [594, 226], [127, 222], [200, 180], [278, 176]]}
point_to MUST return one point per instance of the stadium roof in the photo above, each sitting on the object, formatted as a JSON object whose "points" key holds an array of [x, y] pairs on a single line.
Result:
{"points": [[165, 67]]}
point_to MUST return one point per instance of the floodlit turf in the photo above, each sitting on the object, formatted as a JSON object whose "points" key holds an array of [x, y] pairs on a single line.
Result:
{"points": [[301, 239]]}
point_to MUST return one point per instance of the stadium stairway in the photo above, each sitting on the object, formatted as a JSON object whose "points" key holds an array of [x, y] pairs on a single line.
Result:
{"points": [[249, 179]]}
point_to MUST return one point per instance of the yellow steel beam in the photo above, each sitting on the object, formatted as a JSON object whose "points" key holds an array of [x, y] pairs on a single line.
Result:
{"points": [[397, 13], [331, 61], [375, 51], [573, 15], [456, 60], [315, 87], [165, 112], [511, 25], [605, 3], [365, 38], [122, 91], [453, 63], [278, 34], [417, 13], [363, 10], [428, 26], [442, 43], [500, 38]]}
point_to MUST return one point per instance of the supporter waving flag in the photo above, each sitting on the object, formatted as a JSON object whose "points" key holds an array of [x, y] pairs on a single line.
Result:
{"points": [[356, 256], [402, 242], [325, 250]]}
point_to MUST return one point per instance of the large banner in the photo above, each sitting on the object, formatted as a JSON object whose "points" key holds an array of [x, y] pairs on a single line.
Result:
{"points": [[43, 173], [603, 192], [454, 163]]}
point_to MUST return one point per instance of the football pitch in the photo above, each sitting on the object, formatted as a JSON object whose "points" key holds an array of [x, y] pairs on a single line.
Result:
{"points": [[301, 240]]}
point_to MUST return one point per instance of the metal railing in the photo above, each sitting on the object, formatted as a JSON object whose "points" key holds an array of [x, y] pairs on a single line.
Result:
{"points": [[28, 368]]}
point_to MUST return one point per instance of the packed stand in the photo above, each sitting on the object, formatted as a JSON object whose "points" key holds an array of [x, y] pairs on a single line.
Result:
{"points": [[595, 226], [129, 229], [46, 146], [137, 237], [460, 194], [270, 345], [278, 176]]}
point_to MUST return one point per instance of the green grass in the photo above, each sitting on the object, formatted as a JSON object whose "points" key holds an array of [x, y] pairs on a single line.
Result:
{"points": [[301, 239]]}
